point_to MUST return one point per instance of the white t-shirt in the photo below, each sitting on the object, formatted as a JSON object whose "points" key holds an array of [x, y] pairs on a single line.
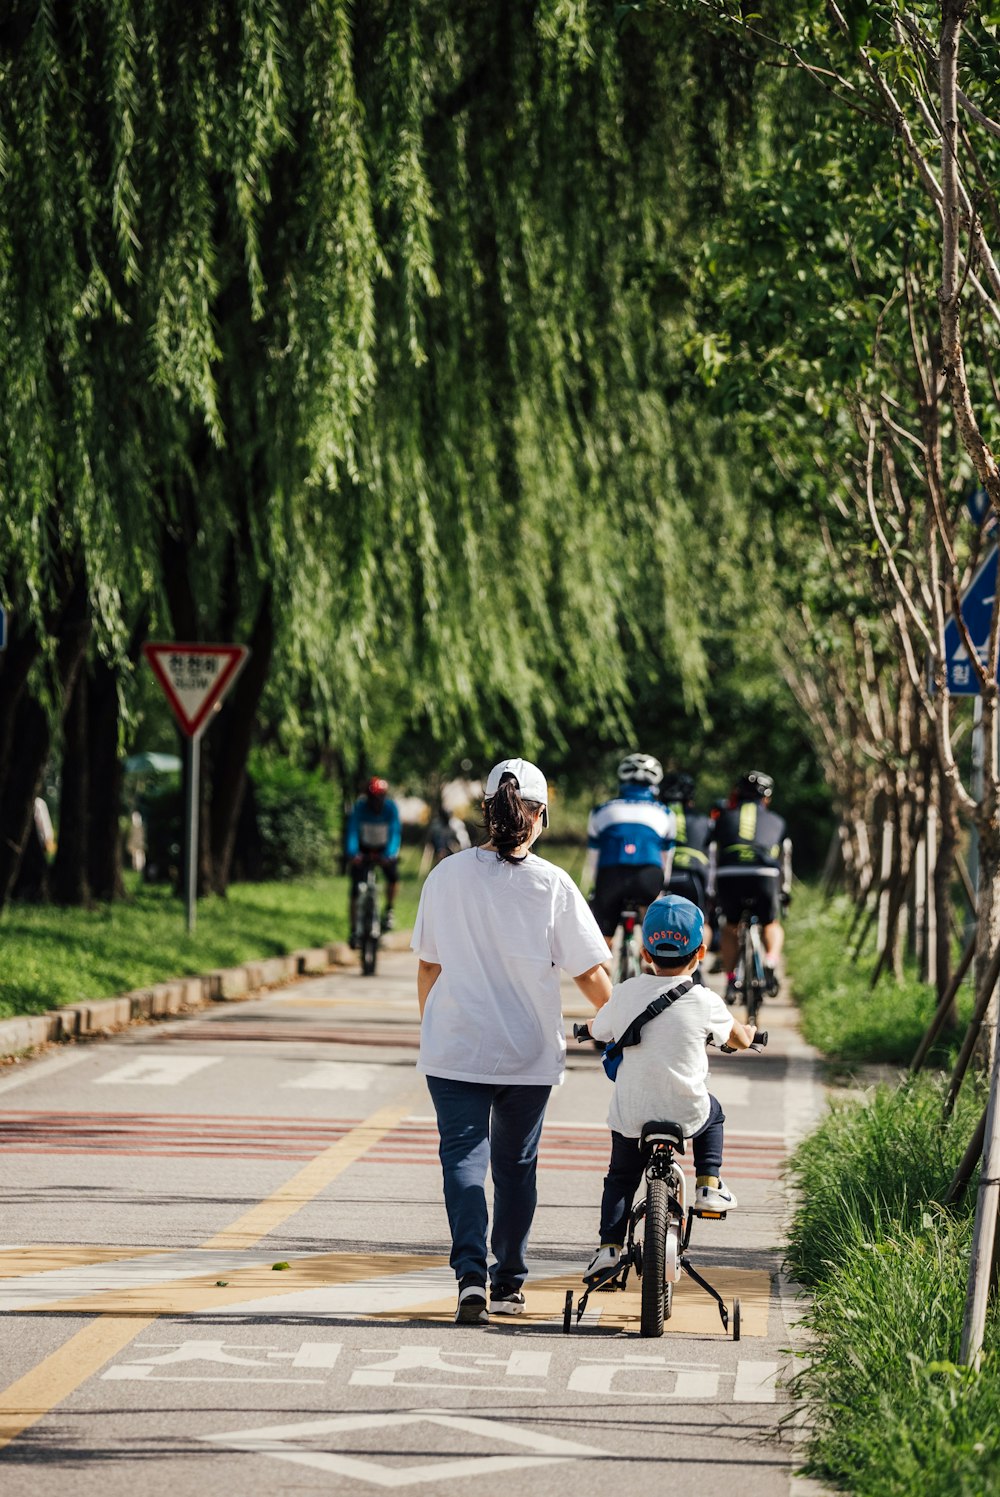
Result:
{"points": [[664, 1077], [500, 933]]}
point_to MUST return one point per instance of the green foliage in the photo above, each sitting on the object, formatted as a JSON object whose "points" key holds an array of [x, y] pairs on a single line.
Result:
{"points": [[840, 1013], [296, 818], [887, 1409], [875, 1163], [376, 310], [53, 957]]}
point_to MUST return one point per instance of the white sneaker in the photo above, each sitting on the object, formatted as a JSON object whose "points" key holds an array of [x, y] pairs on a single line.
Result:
{"points": [[605, 1258], [714, 1202]]}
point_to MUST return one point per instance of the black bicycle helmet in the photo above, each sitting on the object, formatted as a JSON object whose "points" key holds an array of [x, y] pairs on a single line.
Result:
{"points": [[677, 786], [640, 769], [755, 783]]}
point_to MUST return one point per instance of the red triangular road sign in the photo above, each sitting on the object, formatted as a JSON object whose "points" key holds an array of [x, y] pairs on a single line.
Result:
{"points": [[195, 678]]}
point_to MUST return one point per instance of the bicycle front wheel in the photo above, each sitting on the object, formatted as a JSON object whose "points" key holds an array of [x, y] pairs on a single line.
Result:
{"points": [[369, 952], [654, 1269]]}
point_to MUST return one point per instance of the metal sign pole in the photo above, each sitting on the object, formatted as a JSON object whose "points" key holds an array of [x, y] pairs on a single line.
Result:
{"points": [[191, 818]]}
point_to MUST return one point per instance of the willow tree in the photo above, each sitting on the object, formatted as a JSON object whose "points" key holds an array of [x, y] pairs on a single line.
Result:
{"points": [[353, 333]]}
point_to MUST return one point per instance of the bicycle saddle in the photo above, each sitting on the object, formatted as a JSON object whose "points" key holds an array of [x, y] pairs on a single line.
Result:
{"points": [[662, 1133]]}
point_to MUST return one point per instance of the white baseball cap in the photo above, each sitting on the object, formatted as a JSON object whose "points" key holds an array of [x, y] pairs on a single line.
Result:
{"points": [[530, 780]]}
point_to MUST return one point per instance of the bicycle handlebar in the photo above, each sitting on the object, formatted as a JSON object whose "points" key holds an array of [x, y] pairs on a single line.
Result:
{"points": [[758, 1043], [581, 1033]]}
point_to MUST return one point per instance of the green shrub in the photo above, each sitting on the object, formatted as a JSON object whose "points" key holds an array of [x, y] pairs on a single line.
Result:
{"points": [[296, 818], [841, 1014], [889, 1412]]}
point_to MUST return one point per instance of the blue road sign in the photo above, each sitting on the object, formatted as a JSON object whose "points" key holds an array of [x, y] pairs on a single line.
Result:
{"points": [[977, 503], [977, 611]]}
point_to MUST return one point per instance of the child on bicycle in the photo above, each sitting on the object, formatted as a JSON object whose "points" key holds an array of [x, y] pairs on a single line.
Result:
{"points": [[665, 1076]]}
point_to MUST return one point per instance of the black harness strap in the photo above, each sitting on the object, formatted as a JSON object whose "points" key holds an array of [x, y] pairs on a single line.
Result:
{"points": [[659, 1005]]}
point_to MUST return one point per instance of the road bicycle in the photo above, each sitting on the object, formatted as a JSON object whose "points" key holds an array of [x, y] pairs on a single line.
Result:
{"points": [[627, 960], [367, 924], [659, 1231], [750, 981]]}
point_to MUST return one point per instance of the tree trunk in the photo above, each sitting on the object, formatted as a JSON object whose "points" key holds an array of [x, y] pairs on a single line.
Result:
{"points": [[948, 831], [233, 737], [106, 775], [69, 883], [32, 736], [988, 905]]}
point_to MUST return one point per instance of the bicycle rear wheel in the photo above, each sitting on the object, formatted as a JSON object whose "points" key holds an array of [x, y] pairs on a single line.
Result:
{"points": [[626, 966], [755, 984], [652, 1310]]}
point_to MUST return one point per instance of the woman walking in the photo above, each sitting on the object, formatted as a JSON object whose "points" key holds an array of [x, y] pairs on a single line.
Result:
{"points": [[494, 926]]}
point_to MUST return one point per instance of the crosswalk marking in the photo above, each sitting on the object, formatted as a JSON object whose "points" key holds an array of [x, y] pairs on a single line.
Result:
{"points": [[756, 1382], [157, 1069], [337, 1076]]}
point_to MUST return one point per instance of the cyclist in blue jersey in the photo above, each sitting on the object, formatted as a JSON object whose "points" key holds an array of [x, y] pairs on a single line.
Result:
{"points": [[689, 871], [629, 841], [374, 834]]}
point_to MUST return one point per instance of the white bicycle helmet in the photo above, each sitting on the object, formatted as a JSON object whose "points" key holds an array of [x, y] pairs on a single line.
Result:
{"points": [[640, 769]]}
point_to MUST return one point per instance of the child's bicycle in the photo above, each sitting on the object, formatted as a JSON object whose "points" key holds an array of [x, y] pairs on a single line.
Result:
{"points": [[659, 1255]]}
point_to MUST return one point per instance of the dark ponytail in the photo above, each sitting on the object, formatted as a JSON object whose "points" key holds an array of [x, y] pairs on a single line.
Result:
{"points": [[509, 819]]}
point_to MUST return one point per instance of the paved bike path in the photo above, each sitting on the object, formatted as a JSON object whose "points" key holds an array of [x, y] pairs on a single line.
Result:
{"points": [[151, 1183]]}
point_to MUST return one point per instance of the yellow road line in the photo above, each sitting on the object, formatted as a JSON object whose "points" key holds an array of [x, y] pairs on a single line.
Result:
{"points": [[32, 1396], [310, 1180], [61, 1373]]}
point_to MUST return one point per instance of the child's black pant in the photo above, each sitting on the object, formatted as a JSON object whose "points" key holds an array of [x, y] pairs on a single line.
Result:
{"points": [[627, 1161]]}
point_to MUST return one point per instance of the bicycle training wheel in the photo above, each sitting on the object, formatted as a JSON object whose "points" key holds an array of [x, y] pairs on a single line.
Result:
{"points": [[654, 1286]]}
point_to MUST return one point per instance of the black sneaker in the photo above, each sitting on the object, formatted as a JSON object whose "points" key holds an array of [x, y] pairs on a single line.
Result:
{"points": [[771, 981], [505, 1300], [471, 1308], [388, 920], [353, 941]]}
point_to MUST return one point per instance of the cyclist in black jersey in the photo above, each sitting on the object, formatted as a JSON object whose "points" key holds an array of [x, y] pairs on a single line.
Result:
{"points": [[753, 870], [690, 869]]}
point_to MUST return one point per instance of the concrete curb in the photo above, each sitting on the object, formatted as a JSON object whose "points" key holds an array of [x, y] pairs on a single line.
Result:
{"points": [[178, 996]]}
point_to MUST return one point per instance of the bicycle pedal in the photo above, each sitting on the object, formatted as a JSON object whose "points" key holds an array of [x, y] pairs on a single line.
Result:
{"points": [[710, 1216], [605, 1278]]}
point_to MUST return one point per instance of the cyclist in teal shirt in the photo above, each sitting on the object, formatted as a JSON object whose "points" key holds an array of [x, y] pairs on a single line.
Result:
{"points": [[374, 834]]}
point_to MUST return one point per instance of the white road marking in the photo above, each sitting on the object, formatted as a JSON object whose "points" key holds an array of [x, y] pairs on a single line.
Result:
{"points": [[311, 1354], [35, 1291], [690, 1381], [337, 1076], [366, 1297], [278, 1440], [755, 1382], [157, 1070]]}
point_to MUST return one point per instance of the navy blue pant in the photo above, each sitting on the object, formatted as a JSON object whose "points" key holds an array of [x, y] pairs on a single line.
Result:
{"points": [[497, 1126], [627, 1163]]}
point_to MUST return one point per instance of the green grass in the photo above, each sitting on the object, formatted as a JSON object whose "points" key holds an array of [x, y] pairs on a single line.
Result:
{"points": [[889, 1413], [840, 1013], [53, 956]]}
